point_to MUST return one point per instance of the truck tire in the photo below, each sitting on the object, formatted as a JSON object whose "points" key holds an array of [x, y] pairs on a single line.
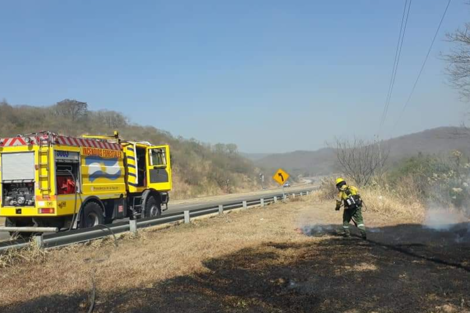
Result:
{"points": [[92, 215], [153, 207], [17, 235], [10, 223]]}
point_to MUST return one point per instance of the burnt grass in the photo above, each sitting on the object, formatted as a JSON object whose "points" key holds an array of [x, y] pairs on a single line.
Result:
{"points": [[404, 268]]}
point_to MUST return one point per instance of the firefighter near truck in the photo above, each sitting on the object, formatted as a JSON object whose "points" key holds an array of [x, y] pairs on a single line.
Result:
{"points": [[50, 182]]}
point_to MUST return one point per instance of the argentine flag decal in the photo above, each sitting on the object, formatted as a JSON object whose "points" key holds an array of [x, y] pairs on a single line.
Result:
{"points": [[99, 167]]}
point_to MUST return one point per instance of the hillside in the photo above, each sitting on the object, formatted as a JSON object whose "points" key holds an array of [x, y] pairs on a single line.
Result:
{"points": [[199, 169], [254, 156], [432, 141], [318, 162], [321, 162]]}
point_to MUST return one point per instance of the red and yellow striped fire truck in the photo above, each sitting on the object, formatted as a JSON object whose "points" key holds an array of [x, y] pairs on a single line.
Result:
{"points": [[51, 182]]}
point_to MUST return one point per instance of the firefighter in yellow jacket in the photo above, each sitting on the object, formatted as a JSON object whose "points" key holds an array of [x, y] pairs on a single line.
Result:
{"points": [[350, 198]]}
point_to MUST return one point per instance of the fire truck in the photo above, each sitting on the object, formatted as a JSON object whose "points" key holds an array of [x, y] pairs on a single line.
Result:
{"points": [[51, 182]]}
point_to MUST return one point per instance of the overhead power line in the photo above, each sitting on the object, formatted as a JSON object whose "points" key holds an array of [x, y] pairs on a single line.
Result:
{"points": [[424, 64], [396, 62]]}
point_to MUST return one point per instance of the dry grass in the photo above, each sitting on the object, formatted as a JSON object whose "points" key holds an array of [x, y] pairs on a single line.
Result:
{"points": [[381, 201], [362, 267], [30, 255], [155, 256]]}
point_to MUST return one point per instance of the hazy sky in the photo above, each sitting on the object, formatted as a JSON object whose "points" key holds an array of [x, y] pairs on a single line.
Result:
{"points": [[270, 76]]}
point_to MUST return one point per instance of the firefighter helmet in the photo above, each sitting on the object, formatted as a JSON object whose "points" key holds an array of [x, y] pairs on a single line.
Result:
{"points": [[339, 180]]}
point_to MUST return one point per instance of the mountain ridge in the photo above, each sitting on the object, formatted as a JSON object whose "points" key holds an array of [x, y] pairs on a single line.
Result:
{"points": [[323, 161]]}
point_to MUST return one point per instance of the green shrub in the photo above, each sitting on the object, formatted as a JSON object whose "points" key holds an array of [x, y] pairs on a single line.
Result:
{"points": [[439, 181]]}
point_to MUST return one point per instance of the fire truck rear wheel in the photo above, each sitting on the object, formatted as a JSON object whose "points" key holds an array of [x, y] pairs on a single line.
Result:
{"points": [[14, 223], [153, 207], [92, 215]]}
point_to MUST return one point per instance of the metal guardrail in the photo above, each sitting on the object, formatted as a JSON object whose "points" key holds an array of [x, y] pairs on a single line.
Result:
{"points": [[61, 239]]}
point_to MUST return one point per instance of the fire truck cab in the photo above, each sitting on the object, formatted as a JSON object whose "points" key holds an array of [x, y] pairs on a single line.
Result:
{"points": [[50, 182]]}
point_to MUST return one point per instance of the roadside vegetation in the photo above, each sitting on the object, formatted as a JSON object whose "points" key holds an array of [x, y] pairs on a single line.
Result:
{"points": [[199, 169], [424, 185]]}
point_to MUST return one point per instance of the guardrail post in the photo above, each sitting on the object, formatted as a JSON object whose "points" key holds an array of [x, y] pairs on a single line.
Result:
{"points": [[293, 195], [221, 209], [133, 226], [275, 199], [284, 197], [301, 194], [187, 218], [38, 241], [307, 193], [245, 205], [262, 201]]}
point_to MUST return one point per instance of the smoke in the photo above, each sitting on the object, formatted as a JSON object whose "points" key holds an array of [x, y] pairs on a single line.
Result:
{"points": [[313, 223], [317, 230], [442, 219], [451, 223]]}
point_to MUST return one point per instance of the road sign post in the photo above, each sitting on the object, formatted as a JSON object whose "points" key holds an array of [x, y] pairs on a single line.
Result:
{"points": [[281, 178]]}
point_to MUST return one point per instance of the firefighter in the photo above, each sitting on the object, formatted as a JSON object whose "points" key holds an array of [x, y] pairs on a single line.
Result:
{"points": [[350, 198]]}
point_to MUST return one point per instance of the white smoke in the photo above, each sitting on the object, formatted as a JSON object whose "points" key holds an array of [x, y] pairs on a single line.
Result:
{"points": [[450, 222], [317, 230], [441, 219], [311, 223]]}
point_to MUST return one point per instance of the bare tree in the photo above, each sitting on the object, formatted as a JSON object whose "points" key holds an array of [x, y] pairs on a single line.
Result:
{"points": [[72, 109], [112, 119], [360, 159], [458, 60]]}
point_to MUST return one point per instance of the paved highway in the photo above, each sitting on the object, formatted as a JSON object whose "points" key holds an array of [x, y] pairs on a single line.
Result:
{"points": [[192, 204]]}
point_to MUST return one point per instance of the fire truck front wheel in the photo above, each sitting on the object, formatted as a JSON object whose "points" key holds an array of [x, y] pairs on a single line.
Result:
{"points": [[92, 215], [153, 207]]}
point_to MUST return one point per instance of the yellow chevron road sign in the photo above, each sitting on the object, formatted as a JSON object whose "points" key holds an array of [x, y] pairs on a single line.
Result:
{"points": [[281, 176]]}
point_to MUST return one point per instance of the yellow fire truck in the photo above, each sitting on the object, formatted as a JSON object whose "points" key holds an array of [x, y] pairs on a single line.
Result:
{"points": [[50, 182]]}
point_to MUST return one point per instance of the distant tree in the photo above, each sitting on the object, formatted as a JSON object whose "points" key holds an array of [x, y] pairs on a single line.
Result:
{"points": [[112, 119], [71, 109], [360, 159], [458, 60], [220, 148], [231, 148]]}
